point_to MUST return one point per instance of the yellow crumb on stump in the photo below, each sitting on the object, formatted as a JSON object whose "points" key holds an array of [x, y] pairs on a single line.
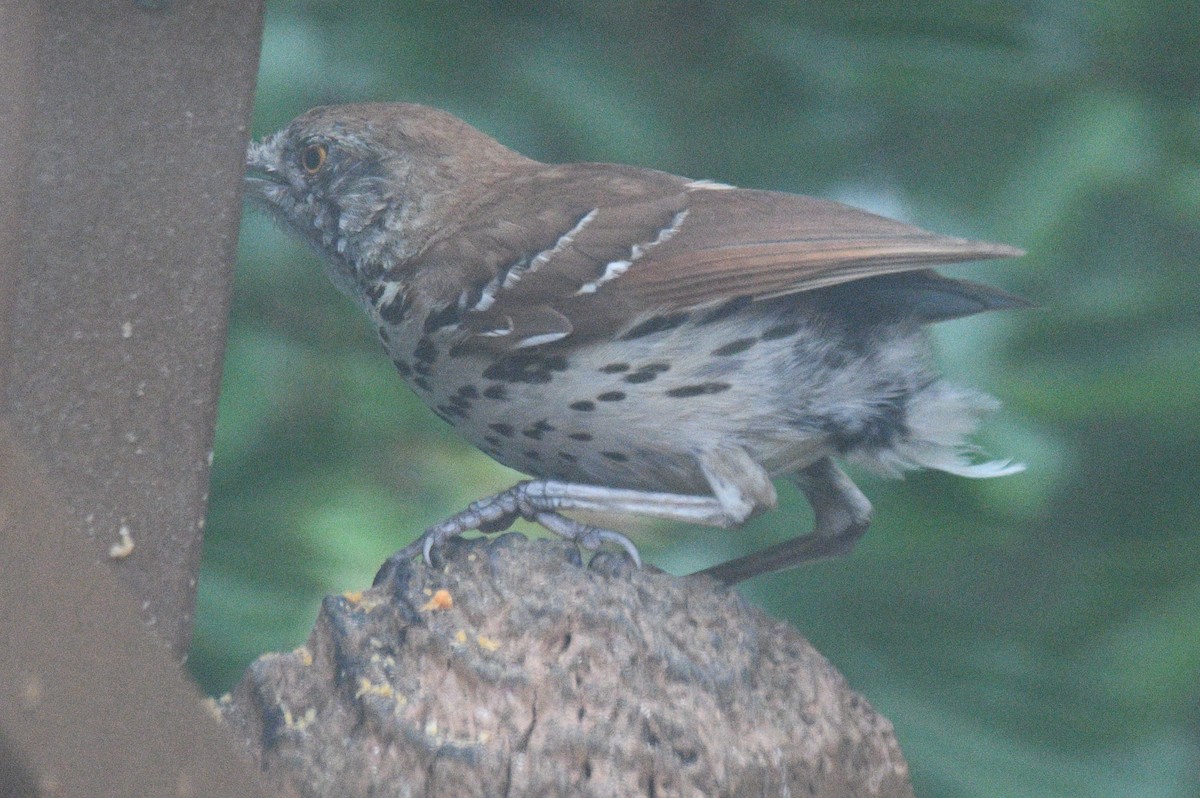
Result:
{"points": [[367, 687], [440, 600], [305, 655]]}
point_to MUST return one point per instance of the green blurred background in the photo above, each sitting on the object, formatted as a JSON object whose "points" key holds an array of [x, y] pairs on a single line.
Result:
{"points": [[1030, 636]]}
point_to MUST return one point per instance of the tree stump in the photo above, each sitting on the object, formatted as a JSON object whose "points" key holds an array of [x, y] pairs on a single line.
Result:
{"points": [[514, 670]]}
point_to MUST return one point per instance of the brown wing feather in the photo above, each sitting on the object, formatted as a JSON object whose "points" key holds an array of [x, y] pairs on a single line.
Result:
{"points": [[624, 242], [739, 242], [534, 288]]}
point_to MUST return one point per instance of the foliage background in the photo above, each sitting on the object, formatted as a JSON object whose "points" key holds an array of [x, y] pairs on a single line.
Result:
{"points": [[1031, 636]]}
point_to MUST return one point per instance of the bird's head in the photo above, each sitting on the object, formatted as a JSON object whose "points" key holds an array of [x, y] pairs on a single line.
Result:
{"points": [[358, 181]]}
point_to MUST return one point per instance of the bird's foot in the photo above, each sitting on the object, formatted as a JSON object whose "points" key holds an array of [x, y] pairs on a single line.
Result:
{"points": [[496, 513]]}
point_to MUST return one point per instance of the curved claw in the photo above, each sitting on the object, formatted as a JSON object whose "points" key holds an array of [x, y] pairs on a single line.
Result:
{"points": [[586, 535], [595, 537], [395, 562]]}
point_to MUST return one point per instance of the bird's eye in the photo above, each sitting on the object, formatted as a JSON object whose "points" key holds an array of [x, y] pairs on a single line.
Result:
{"points": [[313, 157]]}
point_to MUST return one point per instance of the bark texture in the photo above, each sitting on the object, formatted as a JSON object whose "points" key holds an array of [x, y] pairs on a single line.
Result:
{"points": [[512, 669]]}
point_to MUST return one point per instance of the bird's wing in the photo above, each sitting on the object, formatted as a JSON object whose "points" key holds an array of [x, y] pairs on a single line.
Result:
{"points": [[606, 248], [738, 242]]}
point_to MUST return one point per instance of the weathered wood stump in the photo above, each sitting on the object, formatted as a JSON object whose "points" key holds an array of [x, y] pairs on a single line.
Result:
{"points": [[512, 669]]}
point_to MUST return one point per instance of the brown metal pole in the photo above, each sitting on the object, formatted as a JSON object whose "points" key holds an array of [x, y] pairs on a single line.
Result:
{"points": [[91, 704], [114, 270], [118, 326]]}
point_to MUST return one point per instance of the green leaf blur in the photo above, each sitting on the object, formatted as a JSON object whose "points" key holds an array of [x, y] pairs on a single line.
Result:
{"points": [[1037, 635]]}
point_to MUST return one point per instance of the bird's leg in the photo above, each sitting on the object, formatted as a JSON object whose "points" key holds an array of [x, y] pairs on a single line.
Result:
{"points": [[842, 514], [542, 501]]}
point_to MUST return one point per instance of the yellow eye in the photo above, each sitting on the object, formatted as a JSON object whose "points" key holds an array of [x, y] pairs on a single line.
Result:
{"points": [[313, 158]]}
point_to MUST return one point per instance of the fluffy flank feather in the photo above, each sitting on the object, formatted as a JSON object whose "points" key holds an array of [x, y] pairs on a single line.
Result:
{"points": [[940, 419]]}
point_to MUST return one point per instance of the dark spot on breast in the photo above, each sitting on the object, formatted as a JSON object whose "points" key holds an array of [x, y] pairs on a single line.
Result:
{"points": [[780, 331], [734, 347], [442, 318], [421, 383], [615, 368], [383, 335], [371, 270], [395, 311], [537, 430], [402, 367], [580, 436], [468, 392], [611, 396], [698, 390], [425, 351], [584, 405], [532, 455], [423, 368], [493, 440], [450, 410], [640, 376], [656, 324], [504, 429], [531, 369], [567, 456], [615, 456], [725, 310], [459, 401], [495, 392]]}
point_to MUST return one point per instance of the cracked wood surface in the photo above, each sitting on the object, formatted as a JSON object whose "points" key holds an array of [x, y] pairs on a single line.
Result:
{"points": [[512, 669]]}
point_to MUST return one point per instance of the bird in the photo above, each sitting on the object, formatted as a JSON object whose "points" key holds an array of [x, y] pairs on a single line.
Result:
{"points": [[638, 343]]}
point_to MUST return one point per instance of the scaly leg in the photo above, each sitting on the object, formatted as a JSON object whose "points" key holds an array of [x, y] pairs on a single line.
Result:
{"points": [[842, 515], [542, 501], [740, 488]]}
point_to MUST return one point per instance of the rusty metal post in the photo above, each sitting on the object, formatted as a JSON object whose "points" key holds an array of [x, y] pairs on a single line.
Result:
{"points": [[117, 330], [122, 127]]}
